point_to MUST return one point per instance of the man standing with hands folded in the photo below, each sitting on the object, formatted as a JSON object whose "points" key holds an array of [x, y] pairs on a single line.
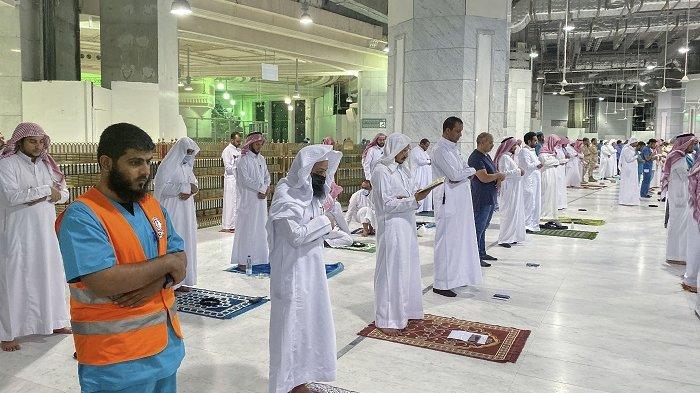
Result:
{"points": [[122, 257]]}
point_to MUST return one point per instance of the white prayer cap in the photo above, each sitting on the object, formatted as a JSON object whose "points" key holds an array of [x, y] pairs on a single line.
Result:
{"points": [[632, 140], [395, 143]]}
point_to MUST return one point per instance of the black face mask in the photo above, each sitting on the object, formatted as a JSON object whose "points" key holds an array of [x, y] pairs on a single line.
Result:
{"points": [[318, 183]]}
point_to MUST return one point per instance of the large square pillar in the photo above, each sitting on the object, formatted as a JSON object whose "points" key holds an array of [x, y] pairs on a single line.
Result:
{"points": [[10, 69], [448, 58], [139, 45]]}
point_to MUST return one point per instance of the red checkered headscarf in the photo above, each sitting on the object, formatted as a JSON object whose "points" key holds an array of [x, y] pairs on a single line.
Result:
{"points": [[678, 153], [372, 144], [694, 189], [504, 148], [252, 138], [550, 144], [577, 145], [26, 130]]}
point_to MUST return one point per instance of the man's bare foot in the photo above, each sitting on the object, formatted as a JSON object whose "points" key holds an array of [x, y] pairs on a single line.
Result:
{"points": [[10, 346], [65, 330], [183, 289], [301, 389], [391, 332]]}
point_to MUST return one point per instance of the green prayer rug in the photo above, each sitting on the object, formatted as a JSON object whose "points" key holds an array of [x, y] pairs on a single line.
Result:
{"points": [[364, 247], [567, 233], [579, 221]]}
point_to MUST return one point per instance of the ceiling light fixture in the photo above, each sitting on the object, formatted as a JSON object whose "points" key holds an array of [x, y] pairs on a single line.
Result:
{"points": [[180, 8], [290, 107], [287, 100], [220, 86], [226, 95], [386, 49], [568, 28], [305, 18], [534, 54], [683, 50], [600, 98], [663, 87], [349, 99], [297, 90], [686, 49], [188, 80], [642, 83], [554, 93], [232, 102], [650, 67]]}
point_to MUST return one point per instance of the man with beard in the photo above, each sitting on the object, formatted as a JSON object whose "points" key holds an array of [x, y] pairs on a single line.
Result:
{"points": [[302, 333], [372, 153], [31, 279], [253, 182], [121, 257], [230, 156]]}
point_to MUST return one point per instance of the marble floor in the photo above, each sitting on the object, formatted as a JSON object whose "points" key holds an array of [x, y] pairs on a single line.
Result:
{"points": [[606, 315]]}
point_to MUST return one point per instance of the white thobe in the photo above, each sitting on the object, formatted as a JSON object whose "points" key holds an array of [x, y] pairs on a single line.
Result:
{"points": [[360, 208], [302, 333], [561, 178], [629, 177], [656, 179], [532, 187], [608, 159], [550, 188], [422, 175], [230, 156], [678, 211], [457, 261], [574, 169], [252, 177], [32, 281], [397, 277], [183, 215], [340, 234], [371, 159], [510, 202], [692, 261]]}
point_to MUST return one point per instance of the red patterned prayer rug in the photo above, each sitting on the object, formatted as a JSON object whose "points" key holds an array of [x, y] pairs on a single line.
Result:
{"points": [[503, 345]]}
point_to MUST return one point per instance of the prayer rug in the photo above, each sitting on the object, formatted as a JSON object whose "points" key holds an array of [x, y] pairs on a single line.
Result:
{"points": [[264, 270], [580, 221], [504, 344], [593, 186], [426, 224], [213, 304], [426, 214], [359, 246], [568, 233], [321, 388]]}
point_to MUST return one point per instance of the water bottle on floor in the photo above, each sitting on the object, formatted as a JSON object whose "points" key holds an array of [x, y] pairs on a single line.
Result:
{"points": [[249, 266]]}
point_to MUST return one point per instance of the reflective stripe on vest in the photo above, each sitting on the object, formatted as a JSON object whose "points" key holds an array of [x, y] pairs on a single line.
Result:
{"points": [[86, 296], [104, 332], [121, 326]]}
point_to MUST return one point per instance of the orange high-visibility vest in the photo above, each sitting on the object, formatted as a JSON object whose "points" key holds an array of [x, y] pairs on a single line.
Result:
{"points": [[105, 333]]}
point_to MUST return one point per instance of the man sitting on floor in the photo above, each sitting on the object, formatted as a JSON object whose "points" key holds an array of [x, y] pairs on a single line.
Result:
{"points": [[361, 210]]}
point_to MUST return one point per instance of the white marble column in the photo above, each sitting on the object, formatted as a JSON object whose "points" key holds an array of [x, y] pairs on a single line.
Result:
{"points": [[519, 102], [372, 103], [10, 70], [669, 114], [691, 105], [448, 58]]}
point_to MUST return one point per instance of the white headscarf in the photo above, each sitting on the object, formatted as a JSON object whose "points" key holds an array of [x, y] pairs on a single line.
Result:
{"points": [[395, 143], [173, 162], [294, 193]]}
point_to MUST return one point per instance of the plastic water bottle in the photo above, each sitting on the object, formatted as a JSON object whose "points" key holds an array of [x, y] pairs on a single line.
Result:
{"points": [[249, 266]]}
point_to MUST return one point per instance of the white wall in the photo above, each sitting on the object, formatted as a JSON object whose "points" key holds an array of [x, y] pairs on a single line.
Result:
{"points": [[372, 102], [669, 113], [554, 108], [691, 118], [62, 108], [77, 111], [611, 126], [519, 101]]}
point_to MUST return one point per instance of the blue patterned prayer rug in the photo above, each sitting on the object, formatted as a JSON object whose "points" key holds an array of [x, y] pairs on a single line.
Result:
{"points": [[321, 388], [264, 270], [213, 304], [426, 214]]}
